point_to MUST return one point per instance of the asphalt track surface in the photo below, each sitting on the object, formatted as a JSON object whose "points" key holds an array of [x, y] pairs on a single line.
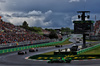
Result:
{"points": [[13, 59]]}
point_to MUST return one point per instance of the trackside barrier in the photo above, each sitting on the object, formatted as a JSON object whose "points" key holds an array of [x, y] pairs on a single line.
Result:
{"points": [[25, 43], [31, 46], [87, 49]]}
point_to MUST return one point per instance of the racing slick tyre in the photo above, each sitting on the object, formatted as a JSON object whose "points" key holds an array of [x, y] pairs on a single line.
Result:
{"points": [[36, 49], [25, 52]]}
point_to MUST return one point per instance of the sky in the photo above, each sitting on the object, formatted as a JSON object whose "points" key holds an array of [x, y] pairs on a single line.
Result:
{"points": [[47, 13]]}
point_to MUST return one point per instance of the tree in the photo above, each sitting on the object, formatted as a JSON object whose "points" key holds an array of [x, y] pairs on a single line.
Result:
{"points": [[53, 35], [25, 25], [37, 29], [65, 30], [72, 31], [68, 31], [49, 29]]}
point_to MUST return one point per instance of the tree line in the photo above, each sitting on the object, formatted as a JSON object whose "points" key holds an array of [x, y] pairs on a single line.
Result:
{"points": [[53, 32]]}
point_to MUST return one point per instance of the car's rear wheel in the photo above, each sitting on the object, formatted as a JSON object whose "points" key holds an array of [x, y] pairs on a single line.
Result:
{"points": [[61, 45], [36, 49]]}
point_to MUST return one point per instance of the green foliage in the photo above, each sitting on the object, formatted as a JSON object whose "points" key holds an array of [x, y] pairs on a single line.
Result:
{"points": [[92, 52], [53, 35], [25, 25], [72, 31], [65, 29], [49, 29], [37, 29], [34, 29]]}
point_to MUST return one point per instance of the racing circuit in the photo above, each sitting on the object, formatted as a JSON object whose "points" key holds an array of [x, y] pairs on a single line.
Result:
{"points": [[11, 59]]}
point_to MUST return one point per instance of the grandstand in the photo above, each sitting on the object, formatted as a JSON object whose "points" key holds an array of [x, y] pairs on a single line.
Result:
{"points": [[10, 33]]}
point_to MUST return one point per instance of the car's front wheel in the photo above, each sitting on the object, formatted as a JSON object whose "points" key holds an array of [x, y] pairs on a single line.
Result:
{"points": [[67, 61]]}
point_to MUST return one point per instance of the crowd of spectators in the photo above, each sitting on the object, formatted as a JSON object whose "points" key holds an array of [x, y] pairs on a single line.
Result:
{"points": [[10, 33]]}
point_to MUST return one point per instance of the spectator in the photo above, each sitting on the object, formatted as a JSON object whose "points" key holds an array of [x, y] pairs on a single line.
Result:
{"points": [[10, 34]]}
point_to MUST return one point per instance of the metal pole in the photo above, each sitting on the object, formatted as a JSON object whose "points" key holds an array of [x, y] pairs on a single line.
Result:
{"points": [[84, 40]]}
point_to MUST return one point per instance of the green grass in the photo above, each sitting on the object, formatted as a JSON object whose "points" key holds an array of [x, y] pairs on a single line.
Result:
{"points": [[88, 40], [48, 53], [40, 33], [66, 42], [95, 51], [63, 43], [91, 40], [91, 54]]}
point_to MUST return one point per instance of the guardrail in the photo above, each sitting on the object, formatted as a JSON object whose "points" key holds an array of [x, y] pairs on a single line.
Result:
{"points": [[25, 43], [30, 42], [87, 49], [31, 46]]}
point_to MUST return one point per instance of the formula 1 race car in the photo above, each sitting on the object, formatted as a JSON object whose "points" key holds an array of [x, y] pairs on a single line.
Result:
{"points": [[60, 60], [33, 50], [22, 52], [58, 46]]}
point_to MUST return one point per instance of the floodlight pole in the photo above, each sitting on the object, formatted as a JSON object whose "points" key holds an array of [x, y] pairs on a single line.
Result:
{"points": [[83, 19]]}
